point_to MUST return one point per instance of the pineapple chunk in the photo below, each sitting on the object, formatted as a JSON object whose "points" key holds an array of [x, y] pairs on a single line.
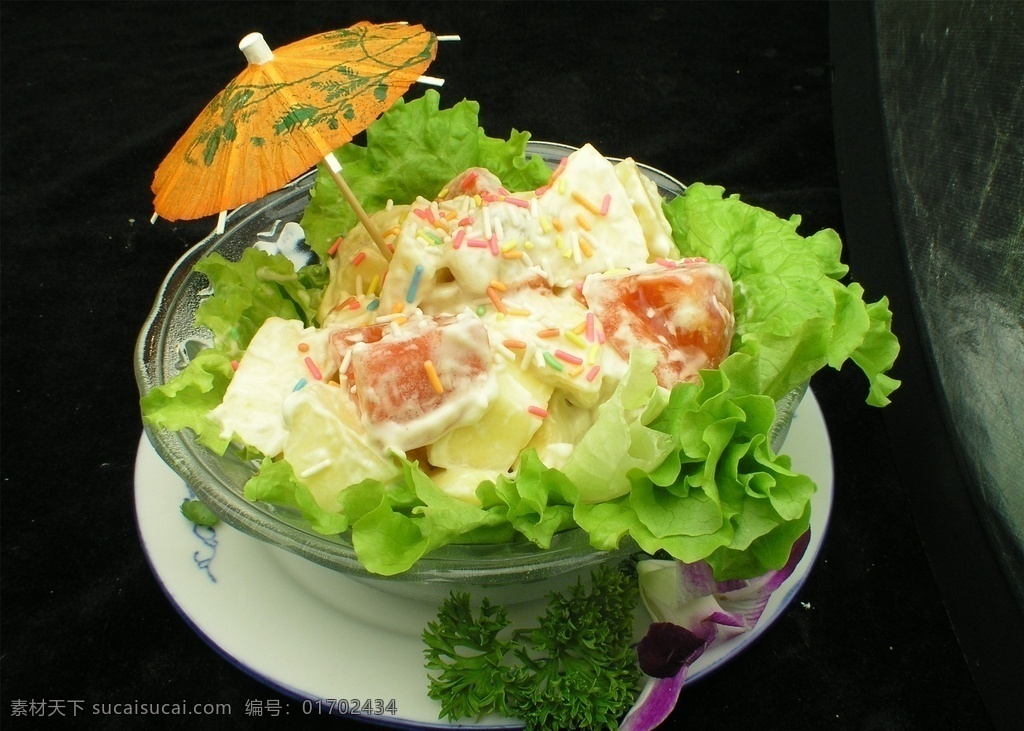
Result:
{"points": [[326, 444], [494, 442], [461, 482], [561, 431], [281, 354], [646, 201]]}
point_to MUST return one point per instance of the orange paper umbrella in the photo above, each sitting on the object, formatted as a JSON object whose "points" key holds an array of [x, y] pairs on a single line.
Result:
{"points": [[288, 110]]}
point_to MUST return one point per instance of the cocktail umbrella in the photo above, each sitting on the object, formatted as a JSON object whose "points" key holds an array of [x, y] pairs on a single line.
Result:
{"points": [[288, 110]]}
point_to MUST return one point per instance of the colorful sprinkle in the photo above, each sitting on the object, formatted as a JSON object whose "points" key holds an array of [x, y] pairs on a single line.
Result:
{"points": [[459, 236], [492, 244], [345, 303], [373, 305], [552, 362], [428, 366], [514, 344], [592, 373], [500, 286], [538, 411], [585, 245], [478, 243], [495, 298], [433, 238], [568, 357], [512, 254], [358, 258], [518, 202], [303, 347], [318, 467], [334, 247], [299, 385], [467, 182], [414, 284], [234, 365], [583, 201], [550, 332], [606, 203], [591, 327], [582, 221], [574, 338], [313, 370], [558, 170]]}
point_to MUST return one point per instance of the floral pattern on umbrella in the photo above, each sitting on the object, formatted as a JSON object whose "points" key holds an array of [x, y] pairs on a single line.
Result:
{"points": [[284, 113]]}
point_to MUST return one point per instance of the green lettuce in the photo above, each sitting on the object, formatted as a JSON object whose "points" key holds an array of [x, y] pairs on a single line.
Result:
{"points": [[619, 441], [253, 289], [721, 494], [793, 313], [186, 400]]}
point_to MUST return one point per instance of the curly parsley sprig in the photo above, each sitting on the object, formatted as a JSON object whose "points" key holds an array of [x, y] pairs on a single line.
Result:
{"points": [[576, 669]]}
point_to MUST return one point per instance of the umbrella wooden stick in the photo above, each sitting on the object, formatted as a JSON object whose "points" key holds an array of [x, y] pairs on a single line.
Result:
{"points": [[334, 167], [258, 52]]}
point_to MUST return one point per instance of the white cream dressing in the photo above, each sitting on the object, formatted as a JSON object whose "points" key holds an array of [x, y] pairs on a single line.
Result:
{"points": [[503, 277], [273, 365]]}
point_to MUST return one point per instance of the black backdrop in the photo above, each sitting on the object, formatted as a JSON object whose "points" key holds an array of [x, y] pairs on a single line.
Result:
{"points": [[94, 95]]}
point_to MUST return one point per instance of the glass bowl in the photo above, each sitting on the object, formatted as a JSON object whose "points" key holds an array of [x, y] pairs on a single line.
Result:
{"points": [[169, 338]]}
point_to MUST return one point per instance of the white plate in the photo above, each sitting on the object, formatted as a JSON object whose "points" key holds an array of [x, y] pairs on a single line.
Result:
{"points": [[312, 634]]}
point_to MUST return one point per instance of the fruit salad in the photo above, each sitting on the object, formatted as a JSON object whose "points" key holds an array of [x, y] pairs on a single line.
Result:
{"points": [[502, 322], [528, 348]]}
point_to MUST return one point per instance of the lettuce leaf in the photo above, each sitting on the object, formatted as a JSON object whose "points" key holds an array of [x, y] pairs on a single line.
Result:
{"points": [[414, 150], [537, 502], [186, 400], [248, 292], [276, 483], [619, 442], [722, 495], [792, 312], [394, 526]]}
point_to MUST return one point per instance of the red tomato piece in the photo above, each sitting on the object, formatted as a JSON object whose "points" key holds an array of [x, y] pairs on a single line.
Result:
{"points": [[682, 311]]}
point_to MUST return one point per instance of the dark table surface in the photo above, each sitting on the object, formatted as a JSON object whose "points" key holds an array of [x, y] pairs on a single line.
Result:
{"points": [[93, 97]]}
